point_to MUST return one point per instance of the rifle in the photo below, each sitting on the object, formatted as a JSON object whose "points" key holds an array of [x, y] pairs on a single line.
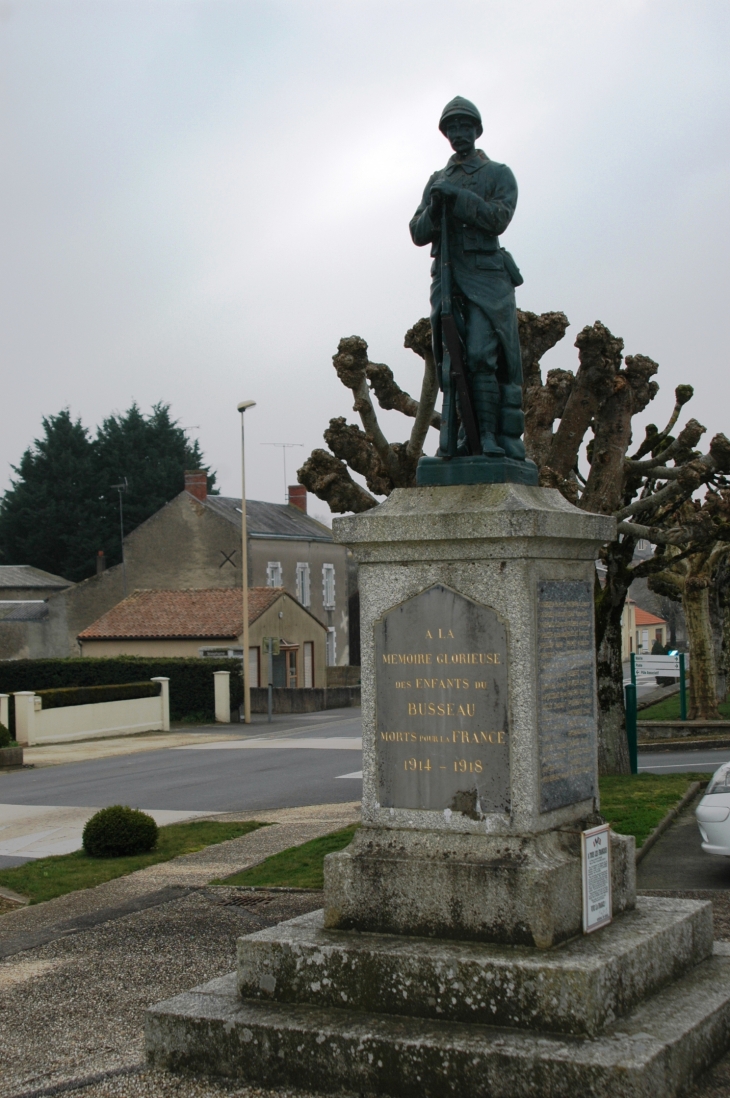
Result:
{"points": [[452, 341]]}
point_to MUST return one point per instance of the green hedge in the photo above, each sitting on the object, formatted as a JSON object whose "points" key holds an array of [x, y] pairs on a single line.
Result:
{"points": [[58, 697], [191, 680]]}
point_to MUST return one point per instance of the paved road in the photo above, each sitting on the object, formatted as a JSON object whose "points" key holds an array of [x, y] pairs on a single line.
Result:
{"points": [[300, 760], [683, 762]]}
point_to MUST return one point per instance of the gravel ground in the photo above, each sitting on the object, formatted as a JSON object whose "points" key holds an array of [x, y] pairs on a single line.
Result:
{"points": [[71, 1010]]}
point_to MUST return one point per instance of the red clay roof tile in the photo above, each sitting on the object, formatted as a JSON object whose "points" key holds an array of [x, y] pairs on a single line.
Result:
{"points": [[212, 612]]}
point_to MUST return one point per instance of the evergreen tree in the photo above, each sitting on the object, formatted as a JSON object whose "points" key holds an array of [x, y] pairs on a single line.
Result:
{"points": [[61, 509]]}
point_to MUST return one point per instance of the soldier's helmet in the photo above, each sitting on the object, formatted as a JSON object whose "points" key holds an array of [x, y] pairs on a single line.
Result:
{"points": [[459, 105]]}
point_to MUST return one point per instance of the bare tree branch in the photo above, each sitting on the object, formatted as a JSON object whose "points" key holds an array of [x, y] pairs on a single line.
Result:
{"points": [[654, 438], [600, 359], [326, 477], [687, 439], [351, 445], [632, 390]]}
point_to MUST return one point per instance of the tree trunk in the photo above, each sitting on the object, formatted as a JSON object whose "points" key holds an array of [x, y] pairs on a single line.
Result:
{"points": [[722, 595], [702, 687], [613, 745], [717, 624]]}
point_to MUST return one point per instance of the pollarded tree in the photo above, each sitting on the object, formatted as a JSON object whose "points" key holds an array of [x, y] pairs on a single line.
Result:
{"points": [[593, 407], [695, 578]]}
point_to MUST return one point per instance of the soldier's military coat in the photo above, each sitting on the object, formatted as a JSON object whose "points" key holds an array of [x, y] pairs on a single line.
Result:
{"points": [[483, 271]]}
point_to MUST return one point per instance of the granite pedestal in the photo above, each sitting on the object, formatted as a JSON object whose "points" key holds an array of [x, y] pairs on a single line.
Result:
{"points": [[449, 958]]}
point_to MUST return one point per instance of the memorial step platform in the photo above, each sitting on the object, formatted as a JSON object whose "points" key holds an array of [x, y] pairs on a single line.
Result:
{"points": [[660, 1048], [579, 988]]}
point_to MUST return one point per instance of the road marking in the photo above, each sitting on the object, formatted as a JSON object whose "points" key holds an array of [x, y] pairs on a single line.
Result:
{"points": [[673, 766], [355, 774], [319, 743]]}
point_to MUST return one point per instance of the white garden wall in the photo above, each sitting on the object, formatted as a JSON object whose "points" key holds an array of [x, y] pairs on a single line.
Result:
{"points": [[35, 725]]}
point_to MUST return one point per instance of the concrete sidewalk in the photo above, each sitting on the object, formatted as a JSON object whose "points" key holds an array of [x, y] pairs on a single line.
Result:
{"points": [[43, 831]]}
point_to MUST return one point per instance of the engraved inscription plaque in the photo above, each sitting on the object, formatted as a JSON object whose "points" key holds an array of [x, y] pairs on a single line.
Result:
{"points": [[566, 692], [441, 705]]}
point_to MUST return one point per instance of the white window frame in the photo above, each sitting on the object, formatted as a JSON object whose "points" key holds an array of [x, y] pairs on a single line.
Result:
{"points": [[304, 594], [331, 646], [273, 574], [328, 586]]}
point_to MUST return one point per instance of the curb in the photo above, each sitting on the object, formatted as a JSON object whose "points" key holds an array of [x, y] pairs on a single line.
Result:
{"points": [[670, 817], [14, 897], [709, 744]]}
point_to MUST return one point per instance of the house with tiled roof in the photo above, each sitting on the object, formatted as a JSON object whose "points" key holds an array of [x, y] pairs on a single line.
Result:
{"points": [[194, 542], [640, 630], [209, 622]]}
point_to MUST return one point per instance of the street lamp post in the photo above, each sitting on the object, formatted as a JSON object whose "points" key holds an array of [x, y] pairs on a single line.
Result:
{"points": [[122, 488], [244, 571]]}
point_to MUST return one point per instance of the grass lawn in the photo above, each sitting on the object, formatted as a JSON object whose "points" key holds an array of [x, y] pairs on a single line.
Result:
{"points": [[298, 867], [668, 710], [634, 805], [49, 877]]}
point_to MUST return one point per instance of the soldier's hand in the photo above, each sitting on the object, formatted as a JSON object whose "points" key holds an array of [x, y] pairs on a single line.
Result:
{"points": [[444, 191]]}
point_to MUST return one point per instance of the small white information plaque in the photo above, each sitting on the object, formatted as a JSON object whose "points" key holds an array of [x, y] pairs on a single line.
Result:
{"points": [[596, 861]]}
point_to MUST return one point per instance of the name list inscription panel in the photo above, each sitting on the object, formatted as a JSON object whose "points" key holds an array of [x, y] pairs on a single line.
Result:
{"points": [[441, 702], [566, 692]]}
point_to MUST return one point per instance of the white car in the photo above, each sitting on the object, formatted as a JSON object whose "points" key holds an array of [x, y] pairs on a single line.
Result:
{"points": [[713, 813]]}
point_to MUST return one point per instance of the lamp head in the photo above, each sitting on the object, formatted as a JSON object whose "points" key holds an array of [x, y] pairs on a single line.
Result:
{"points": [[246, 404]]}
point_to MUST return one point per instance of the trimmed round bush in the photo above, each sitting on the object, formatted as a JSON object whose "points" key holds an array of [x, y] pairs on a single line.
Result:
{"points": [[118, 831], [5, 738]]}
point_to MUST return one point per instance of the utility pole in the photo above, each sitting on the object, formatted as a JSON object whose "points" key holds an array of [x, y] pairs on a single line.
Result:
{"points": [[122, 488], [244, 570], [284, 447]]}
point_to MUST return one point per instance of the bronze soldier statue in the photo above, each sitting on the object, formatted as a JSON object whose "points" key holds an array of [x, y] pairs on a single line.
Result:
{"points": [[464, 209]]}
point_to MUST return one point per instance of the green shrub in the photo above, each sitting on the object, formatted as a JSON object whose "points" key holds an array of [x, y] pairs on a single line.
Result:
{"points": [[87, 695], [119, 831], [5, 738], [191, 679]]}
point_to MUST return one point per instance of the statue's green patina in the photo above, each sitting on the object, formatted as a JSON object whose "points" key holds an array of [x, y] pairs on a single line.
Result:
{"points": [[464, 209]]}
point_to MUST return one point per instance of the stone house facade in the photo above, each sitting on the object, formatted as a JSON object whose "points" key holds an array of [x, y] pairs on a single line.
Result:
{"points": [[194, 542]]}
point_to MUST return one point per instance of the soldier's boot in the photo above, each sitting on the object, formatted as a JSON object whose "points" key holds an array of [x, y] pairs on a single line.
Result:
{"points": [[485, 390], [511, 421]]}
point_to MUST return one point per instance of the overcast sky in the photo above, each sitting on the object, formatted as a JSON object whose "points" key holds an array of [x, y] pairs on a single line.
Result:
{"points": [[200, 198]]}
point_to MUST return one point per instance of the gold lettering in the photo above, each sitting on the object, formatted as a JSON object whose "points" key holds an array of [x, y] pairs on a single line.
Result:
{"points": [[407, 657], [428, 634], [467, 710]]}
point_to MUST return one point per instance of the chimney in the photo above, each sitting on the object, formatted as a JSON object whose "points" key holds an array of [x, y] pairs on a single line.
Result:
{"points": [[100, 562], [298, 496], [196, 483]]}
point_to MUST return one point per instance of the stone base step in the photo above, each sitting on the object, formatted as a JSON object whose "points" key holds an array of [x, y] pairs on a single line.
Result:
{"points": [[655, 1052], [579, 988]]}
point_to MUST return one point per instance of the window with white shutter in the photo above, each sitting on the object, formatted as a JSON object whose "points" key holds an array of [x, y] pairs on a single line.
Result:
{"points": [[303, 592], [273, 574], [328, 586], [331, 647]]}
